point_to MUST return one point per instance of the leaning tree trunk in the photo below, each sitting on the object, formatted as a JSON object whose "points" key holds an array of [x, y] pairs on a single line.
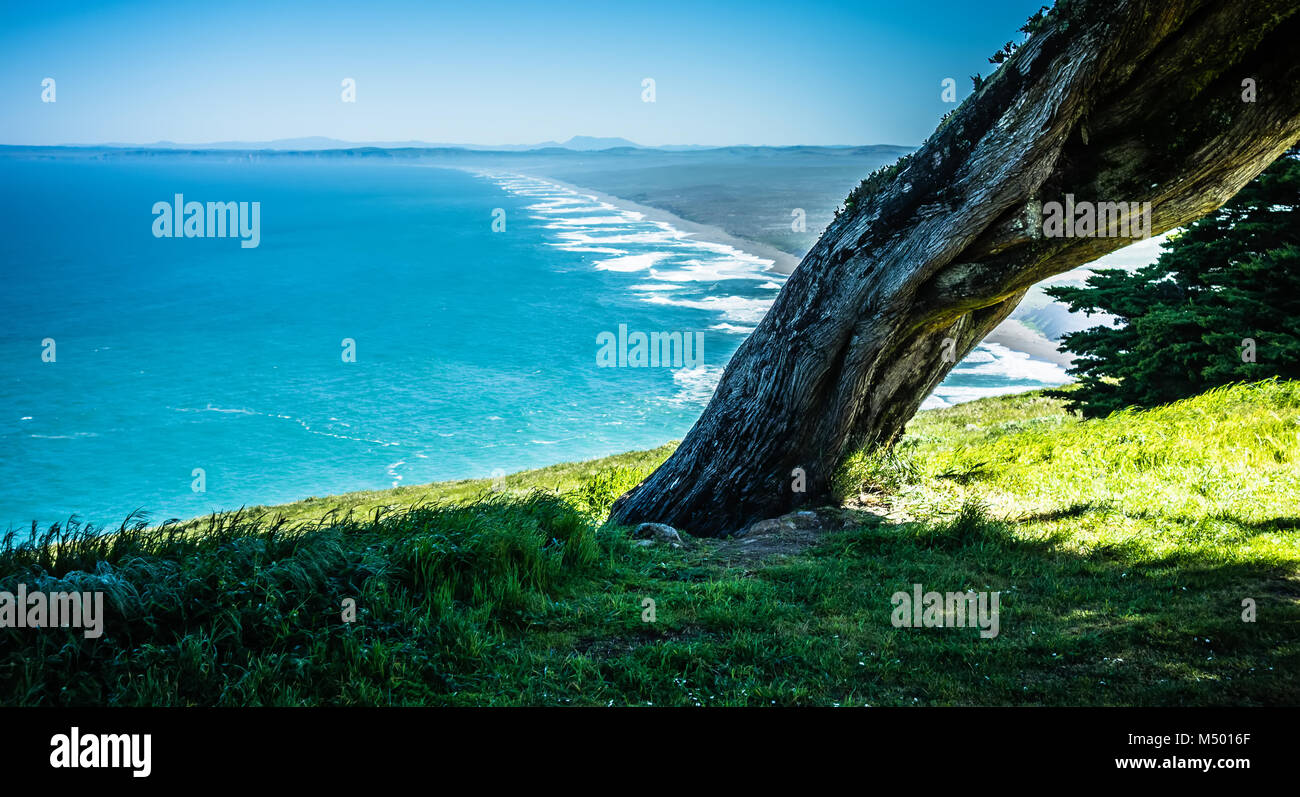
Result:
{"points": [[1133, 101]]}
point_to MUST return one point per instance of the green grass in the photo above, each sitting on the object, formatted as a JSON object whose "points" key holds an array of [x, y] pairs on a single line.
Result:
{"points": [[564, 477], [1122, 547]]}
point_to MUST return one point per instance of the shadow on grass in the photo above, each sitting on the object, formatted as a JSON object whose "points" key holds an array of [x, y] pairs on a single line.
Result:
{"points": [[1115, 624], [530, 600]]}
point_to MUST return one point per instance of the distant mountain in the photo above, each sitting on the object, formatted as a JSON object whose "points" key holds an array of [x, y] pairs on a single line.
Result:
{"points": [[304, 143], [587, 143], [313, 143], [578, 143]]}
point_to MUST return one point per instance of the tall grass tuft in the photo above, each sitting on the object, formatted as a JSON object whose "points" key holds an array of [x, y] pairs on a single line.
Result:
{"points": [[240, 609]]}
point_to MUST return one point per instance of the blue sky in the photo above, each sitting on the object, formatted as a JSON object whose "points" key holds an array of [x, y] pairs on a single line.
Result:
{"points": [[776, 73]]}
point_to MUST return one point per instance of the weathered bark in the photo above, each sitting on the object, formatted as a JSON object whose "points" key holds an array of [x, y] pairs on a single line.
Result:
{"points": [[1134, 101]]}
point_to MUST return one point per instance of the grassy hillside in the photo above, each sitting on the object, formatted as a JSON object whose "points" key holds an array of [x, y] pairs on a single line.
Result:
{"points": [[1123, 549]]}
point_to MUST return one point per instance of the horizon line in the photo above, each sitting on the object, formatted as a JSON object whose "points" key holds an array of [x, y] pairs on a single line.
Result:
{"points": [[329, 143]]}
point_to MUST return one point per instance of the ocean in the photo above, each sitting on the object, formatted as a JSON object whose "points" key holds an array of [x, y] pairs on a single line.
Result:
{"points": [[395, 324]]}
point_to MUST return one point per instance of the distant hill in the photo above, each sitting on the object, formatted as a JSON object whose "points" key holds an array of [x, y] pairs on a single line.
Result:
{"points": [[587, 143], [309, 143], [317, 143]]}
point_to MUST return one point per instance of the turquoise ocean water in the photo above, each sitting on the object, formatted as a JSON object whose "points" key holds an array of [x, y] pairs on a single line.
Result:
{"points": [[475, 349]]}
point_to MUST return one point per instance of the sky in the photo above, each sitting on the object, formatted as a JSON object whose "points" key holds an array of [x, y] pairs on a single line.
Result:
{"points": [[752, 73]]}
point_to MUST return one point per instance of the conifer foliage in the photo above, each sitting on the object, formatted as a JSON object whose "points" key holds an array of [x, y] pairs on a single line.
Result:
{"points": [[1220, 305]]}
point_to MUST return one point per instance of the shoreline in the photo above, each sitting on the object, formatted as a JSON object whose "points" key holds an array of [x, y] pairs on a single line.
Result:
{"points": [[783, 263], [1016, 336], [1010, 333]]}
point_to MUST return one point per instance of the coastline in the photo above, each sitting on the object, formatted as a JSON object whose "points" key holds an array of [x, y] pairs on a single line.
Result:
{"points": [[783, 263], [1010, 333], [1016, 336]]}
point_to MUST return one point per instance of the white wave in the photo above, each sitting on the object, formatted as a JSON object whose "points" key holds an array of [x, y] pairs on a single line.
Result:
{"points": [[714, 270], [739, 330], [657, 237], [600, 250], [998, 360], [551, 209], [211, 408], [695, 385], [73, 436], [733, 308], [980, 354], [584, 221], [995, 360], [560, 203], [654, 286], [732, 253], [629, 263]]}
